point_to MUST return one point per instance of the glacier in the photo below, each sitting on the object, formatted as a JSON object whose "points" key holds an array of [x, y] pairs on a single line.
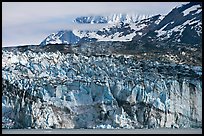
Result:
{"points": [[47, 90]]}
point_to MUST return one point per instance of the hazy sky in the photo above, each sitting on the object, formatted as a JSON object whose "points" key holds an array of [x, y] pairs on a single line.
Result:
{"points": [[31, 22]]}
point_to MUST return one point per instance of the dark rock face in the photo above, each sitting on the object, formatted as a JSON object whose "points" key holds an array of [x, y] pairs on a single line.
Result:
{"points": [[177, 18]]}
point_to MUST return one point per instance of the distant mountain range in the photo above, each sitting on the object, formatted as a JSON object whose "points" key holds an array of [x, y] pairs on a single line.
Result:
{"points": [[182, 24], [113, 18]]}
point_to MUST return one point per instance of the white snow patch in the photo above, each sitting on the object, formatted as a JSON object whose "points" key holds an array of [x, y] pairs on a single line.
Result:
{"points": [[139, 33], [187, 11], [198, 11], [160, 31], [77, 33], [159, 19]]}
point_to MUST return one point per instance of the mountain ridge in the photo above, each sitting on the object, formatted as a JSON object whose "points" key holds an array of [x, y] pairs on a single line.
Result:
{"points": [[182, 24], [112, 18]]}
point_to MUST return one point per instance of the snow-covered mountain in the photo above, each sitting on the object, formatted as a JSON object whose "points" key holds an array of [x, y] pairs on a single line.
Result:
{"points": [[113, 18], [66, 37], [113, 32], [183, 25]]}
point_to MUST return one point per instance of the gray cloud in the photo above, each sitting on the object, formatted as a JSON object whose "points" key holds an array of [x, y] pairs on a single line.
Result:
{"points": [[31, 22]]}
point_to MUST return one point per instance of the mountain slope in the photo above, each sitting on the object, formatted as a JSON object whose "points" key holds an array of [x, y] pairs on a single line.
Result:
{"points": [[183, 24], [63, 36], [113, 32]]}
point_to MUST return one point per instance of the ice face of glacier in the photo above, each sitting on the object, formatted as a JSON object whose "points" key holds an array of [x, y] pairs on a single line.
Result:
{"points": [[57, 90]]}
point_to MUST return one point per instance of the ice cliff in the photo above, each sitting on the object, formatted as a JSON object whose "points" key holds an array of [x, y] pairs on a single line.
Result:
{"points": [[73, 90]]}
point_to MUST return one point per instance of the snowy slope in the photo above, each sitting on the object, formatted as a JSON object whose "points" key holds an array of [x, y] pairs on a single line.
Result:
{"points": [[183, 24], [63, 36], [119, 31]]}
